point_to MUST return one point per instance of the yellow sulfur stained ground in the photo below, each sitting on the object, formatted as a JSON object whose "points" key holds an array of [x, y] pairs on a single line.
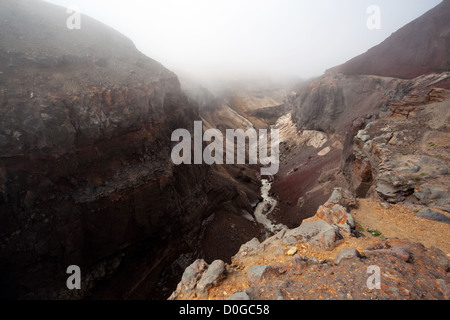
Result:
{"points": [[401, 222], [396, 222]]}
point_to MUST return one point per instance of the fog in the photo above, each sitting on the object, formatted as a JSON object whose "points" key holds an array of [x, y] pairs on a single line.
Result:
{"points": [[233, 38]]}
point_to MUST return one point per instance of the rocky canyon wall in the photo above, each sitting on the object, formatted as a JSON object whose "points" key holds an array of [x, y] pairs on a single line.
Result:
{"points": [[85, 172]]}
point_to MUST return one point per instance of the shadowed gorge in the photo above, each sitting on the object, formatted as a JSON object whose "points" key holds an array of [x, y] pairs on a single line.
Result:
{"points": [[86, 174], [88, 179]]}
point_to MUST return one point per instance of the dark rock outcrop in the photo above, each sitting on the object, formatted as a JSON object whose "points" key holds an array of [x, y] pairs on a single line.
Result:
{"points": [[86, 176]]}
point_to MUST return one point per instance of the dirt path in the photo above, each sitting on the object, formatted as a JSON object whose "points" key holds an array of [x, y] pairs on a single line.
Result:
{"points": [[400, 222]]}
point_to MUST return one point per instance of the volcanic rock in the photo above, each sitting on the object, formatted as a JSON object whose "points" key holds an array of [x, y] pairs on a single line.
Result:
{"points": [[420, 47], [86, 176]]}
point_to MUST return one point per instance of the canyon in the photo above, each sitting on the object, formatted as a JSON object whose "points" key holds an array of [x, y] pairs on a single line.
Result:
{"points": [[362, 183], [87, 175]]}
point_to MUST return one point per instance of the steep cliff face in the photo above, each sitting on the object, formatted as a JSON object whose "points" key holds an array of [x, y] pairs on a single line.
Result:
{"points": [[391, 78], [85, 172], [337, 107], [404, 157], [323, 112], [420, 47], [372, 136], [330, 103]]}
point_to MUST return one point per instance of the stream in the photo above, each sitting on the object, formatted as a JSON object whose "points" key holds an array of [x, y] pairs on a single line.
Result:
{"points": [[265, 207]]}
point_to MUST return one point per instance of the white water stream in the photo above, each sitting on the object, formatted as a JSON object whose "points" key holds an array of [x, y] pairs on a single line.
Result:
{"points": [[265, 207]]}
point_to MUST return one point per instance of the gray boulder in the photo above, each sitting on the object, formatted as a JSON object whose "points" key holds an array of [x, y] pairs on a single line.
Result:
{"points": [[309, 230], [190, 279], [433, 216], [317, 233], [346, 254], [343, 197], [198, 278], [192, 274], [239, 296], [392, 187], [252, 247], [256, 272], [211, 277]]}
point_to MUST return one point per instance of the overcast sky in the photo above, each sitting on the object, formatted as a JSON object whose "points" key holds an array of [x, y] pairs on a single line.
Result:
{"points": [[279, 37]]}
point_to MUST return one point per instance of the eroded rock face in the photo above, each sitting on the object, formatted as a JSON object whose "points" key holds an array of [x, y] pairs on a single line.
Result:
{"points": [[405, 158], [338, 106], [85, 171], [331, 102]]}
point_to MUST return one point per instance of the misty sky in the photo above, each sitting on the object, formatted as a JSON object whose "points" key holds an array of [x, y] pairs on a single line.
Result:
{"points": [[272, 37]]}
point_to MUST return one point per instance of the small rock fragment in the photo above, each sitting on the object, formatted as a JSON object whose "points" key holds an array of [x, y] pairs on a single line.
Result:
{"points": [[239, 296], [256, 272], [346, 254], [291, 251]]}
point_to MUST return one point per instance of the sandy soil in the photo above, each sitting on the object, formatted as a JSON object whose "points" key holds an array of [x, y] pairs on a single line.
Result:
{"points": [[401, 222]]}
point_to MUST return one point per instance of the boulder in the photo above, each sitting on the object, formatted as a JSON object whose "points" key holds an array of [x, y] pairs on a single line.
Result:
{"points": [[198, 278], [346, 254], [252, 247], [427, 193], [393, 188], [433, 216], [325, 240], [334, 211], [211, 277], [337, 214], [239, 296], [256, 272], [342, 197], [317, 233], [193, 274]]}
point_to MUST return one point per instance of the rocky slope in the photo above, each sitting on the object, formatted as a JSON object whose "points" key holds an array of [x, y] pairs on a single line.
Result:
{"points": [[84, 146], [421, 47], [405, 157], [239, 105], [332, 109], [332, 254], [354, 134], [325, 258], [85, 171]]}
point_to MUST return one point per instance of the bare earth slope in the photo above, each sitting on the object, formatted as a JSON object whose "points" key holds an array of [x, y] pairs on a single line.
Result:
{"points": [[421, 47], [324, 258], [381, 123]]}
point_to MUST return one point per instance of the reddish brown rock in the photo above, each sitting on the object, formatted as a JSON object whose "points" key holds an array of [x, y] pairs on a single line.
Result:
{"points": [[420, 47], [86, 176]]}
